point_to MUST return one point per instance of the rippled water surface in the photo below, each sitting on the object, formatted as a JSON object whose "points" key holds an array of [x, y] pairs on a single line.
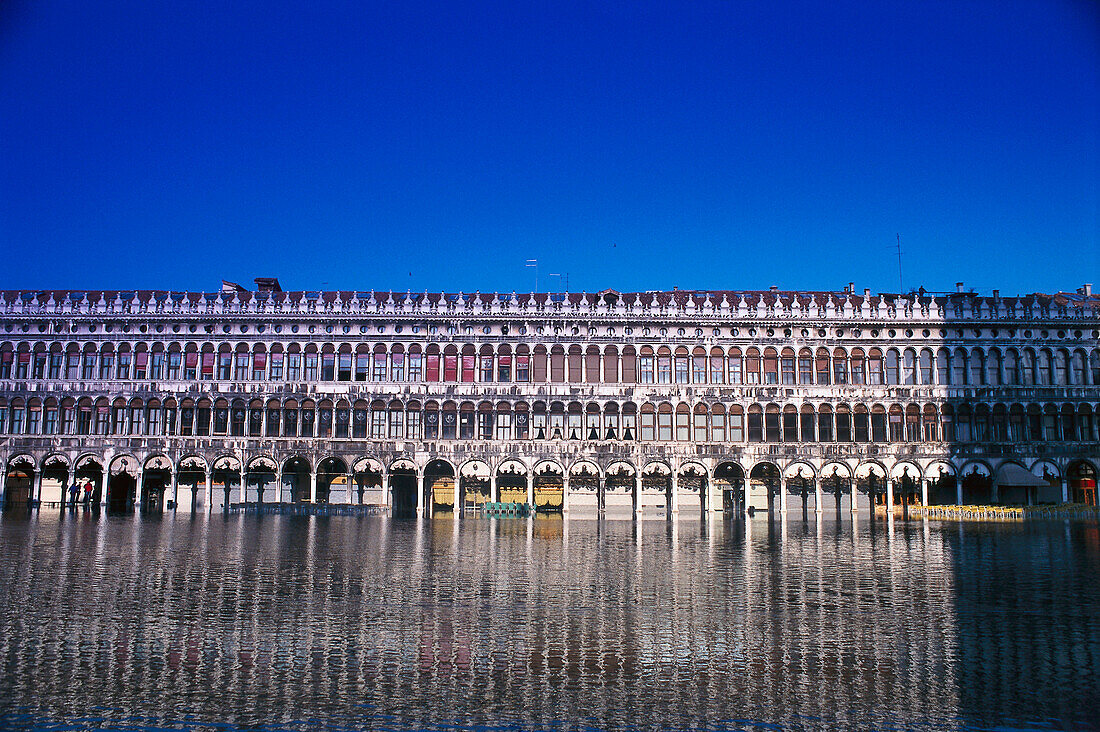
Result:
{"points": [[346, 622]]}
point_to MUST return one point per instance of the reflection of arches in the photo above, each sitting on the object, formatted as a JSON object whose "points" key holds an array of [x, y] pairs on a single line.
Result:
{"points": [[1082, 482], [729, 478]]}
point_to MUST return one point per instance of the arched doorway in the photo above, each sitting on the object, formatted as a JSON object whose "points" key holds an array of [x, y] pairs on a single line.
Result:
{"points": [[548, 487], [55, 479], [801, 490], [692, 485], [729, 478], [260, 476], [296, 480], [977, 485], [18, 483], [439, 484], [763, 486], [402, 480], [620, 481], [584, 488], [836, 489], [870, 486], [89, 475], [511, 482], [156, 476], [191, 481], [332, 481], [368, 482], [122, 485], [225, 477], [942, 485], [657, 488], [1082, 483]]}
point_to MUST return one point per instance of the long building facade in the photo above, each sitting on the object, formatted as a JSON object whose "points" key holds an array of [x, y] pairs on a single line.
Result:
{"points": [[680, 403]]}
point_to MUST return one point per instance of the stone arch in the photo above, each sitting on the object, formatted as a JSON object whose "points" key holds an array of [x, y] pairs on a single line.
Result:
{"points": [[402, 478], [942, 483], [548, 483], [835, 478], [156, 478], [906, 476], [693, 485], [260, 473], [122, 479], [367, 473], [296, 477], [764, 485], [19, 475], [800, 479], [871, 477], [225, 477], [474, 488], [977, 483], [729, 479], [332, 480], [512, 481], [55, 478]]}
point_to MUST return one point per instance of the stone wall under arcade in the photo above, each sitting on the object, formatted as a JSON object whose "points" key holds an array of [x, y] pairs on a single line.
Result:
{"points": [[621, 404]]}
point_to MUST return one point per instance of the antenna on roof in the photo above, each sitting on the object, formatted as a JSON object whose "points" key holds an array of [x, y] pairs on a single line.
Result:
{"points": [[901, 287], [534, 263]]}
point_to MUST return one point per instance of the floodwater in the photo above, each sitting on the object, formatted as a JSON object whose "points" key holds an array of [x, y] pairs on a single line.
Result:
{"points": [[306, 623]]}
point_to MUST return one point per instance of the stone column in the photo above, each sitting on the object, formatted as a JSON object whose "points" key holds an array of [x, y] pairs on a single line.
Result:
{"points": [[924, 491], [782, 496], [675, 494], [565, 493], [817, 496], [530, 490], [313, 486], [636, 495], [209, 490], [175, 491], [494, 488], [65, 496], [1065, 490], [103, 484], [889, 496], [958, 490]]}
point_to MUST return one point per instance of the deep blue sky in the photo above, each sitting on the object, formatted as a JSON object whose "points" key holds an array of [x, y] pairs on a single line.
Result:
{"points": [[696, 144]]}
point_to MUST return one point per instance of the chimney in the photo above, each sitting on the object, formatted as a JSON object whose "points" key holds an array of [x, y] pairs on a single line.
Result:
{"points": [[267, 284], [775, 288], [1087, 289], [851, 288], [996, 294], [867, 292], [958, 287]]}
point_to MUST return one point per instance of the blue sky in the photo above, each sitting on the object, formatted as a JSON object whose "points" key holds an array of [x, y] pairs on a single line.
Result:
{"points": [[718, 145]]}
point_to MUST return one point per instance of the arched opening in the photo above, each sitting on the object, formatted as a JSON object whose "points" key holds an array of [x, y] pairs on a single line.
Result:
{"points": [[191, 477], [402, 480], [260, 476], [55, 476], [836, 489], [976, 486], [225, 477], [871, 486], [548, 488], [942, 485], [18, 484], [1082, 483], [584, 488], [619, 484], [657, 487], [692, 485], [439, 485], [763, 486], [155, 479], [332, 481], [511, 483], [800, 487], [89, 479], [122, 485], [729, 478], [296, 480], [368, 482]]}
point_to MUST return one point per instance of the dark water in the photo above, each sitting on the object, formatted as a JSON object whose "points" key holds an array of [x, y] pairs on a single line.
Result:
{"points": [[345, 622]]}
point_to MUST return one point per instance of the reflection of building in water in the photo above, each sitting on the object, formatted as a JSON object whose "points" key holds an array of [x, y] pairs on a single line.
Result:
{"points": [[621, 403], [647, 625]]}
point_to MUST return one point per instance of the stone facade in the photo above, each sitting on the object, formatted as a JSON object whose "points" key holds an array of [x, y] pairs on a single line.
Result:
{"points": [[625, 404]]}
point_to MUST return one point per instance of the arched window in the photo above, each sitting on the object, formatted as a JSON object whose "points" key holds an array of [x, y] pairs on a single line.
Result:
{"points": [[896, 419], [717, 366], [700, 432], [1045, 368], [1027, 367], [912, 423], [857, 361], [878, 423], [823, 367], [699, 365], [771, 366], [576, 375], [840, 366], [610, 365], [926, 373], [630, 365], [557, 364], [646, 365], [647, 423], [931, 433], [892, 367], [756, 423], [909, 367], [958, 367], [683, 423], [1061, 367], [824, 423], [718, 423], [977, 367], [808, 424], [943, 367], [843, 423], [752, 366], [681, 366], [736, 421], [790, 423], [664, 422], [993, 367], [861, 424], [1000, 423], [664, 365], [1012, 367], [874, 367], [736, 372], [805, 366]]}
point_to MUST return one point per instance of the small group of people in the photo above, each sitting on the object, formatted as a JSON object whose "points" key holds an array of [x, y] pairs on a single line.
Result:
{"points": [[80, 494]]}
